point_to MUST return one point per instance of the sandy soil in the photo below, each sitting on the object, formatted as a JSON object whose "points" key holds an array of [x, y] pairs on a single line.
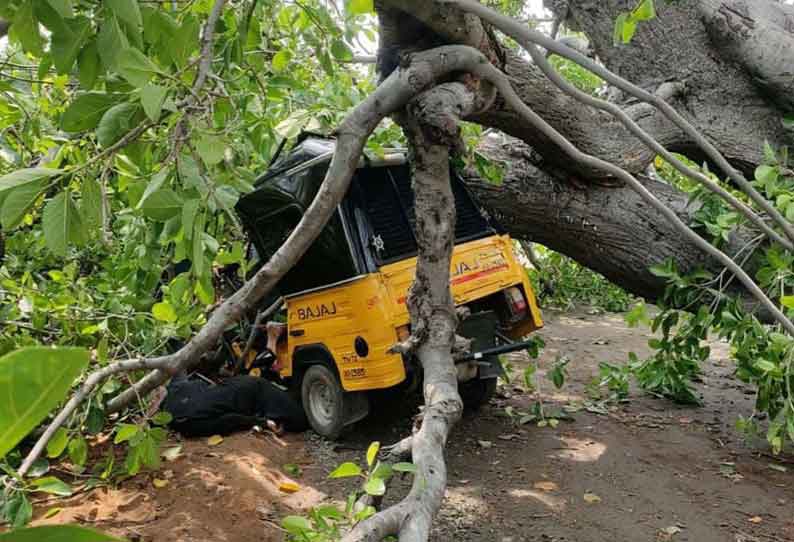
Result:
{"points": [[646, 470]]}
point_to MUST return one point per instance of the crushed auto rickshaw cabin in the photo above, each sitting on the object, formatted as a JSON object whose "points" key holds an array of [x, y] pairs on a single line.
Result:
{"points": [[345, 299]]}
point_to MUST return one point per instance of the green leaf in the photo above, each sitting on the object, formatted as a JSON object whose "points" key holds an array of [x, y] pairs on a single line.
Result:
{"points": [[25, 30], [88, 65], [281, 60], [341, 51], [404, 467], [116, 123], [162, 205], [345, 470], [162, 418], [95, 420], [164, 312], [32, 382], [182, 40], [155, 183], [78, 451], [787, 301], [57, 443], [125, 10], [189, 211], [645, 11], [211, 149], [61, 224], [629, 29], [360, 7], [296, 525], [67, 41], [52, 485], [25, 176], [620, 23], [152, 98], [198, 245], [85, 112], [766, 174], [125, 432], [18, 510], [91, 205], [135, 67], [372, 453], [18, 202], [57, 533], [765, 365], [64, 8], [382, 471], [111, 42], [788, 122], [375, 487]]}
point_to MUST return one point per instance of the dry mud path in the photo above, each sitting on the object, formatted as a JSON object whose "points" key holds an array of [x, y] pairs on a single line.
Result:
{"points": [[645, 470]]}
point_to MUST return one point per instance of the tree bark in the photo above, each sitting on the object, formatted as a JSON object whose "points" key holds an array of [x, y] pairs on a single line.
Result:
{"points": [[606, 228], [727, 81]]}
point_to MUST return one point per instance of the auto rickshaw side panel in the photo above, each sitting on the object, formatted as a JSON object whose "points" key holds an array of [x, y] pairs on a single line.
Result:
{"points": [[337, 318], [479, 268]]}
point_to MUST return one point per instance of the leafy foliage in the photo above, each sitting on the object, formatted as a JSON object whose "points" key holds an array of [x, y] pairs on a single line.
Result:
{"points": [[561, 282], [120, 169], [764, 354], [327, 523]]}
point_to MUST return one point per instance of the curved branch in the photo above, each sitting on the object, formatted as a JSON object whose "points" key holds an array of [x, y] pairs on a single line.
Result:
{"points": [[422, 71], [525, 36], [432, 309]]}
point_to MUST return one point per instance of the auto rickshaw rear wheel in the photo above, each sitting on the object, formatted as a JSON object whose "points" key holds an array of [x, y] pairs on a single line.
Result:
{"points": [[323, 401], [477, 392]]}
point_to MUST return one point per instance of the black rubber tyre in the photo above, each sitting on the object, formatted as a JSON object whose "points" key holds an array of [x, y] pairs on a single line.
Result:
{"points": [[323, 401], [477, 392]]}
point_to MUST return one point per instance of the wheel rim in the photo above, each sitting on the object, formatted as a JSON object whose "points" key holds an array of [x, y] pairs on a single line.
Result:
{"points": [[321, 402]]}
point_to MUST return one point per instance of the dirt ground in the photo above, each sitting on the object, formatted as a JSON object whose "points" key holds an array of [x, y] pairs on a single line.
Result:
{"points": [[647, 470]]}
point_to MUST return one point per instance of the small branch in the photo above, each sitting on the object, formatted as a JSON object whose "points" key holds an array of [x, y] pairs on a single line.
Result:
{"points": [[90, 383], [207, 37], [263, 315]]}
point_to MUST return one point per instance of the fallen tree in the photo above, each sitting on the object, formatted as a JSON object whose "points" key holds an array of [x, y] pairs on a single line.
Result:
{"points": [[441, 62]]}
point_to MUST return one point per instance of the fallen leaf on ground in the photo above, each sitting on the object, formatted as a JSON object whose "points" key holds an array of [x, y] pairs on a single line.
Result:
{"points": [[508, 437], [289, 487], [172, 454], [485, 443], [159, 483], [292, 469], [755, 519], [591, 498], [546, 486], [52, 512], [214, 440], [669, 532], [779, 468]]}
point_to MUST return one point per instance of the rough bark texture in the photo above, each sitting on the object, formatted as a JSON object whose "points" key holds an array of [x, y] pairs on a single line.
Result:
{"points": [[731, 72]]}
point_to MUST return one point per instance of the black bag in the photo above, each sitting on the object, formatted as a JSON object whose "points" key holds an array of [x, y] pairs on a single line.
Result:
{"points": [[236, 404]]}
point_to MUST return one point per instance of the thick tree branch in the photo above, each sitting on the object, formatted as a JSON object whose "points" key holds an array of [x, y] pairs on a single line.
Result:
{"points": [[646, 138], [433, 315], [527, 36], [760, 36]]}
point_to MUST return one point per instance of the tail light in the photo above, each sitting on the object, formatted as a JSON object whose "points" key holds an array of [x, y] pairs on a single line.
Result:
{"points": [[516, 303]]}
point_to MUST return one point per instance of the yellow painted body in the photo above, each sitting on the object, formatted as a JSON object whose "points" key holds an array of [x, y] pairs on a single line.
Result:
{"points": [[373, 307]]}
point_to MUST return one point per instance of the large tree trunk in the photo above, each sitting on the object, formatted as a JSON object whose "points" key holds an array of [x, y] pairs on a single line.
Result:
{"points": [[726, 84]]}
